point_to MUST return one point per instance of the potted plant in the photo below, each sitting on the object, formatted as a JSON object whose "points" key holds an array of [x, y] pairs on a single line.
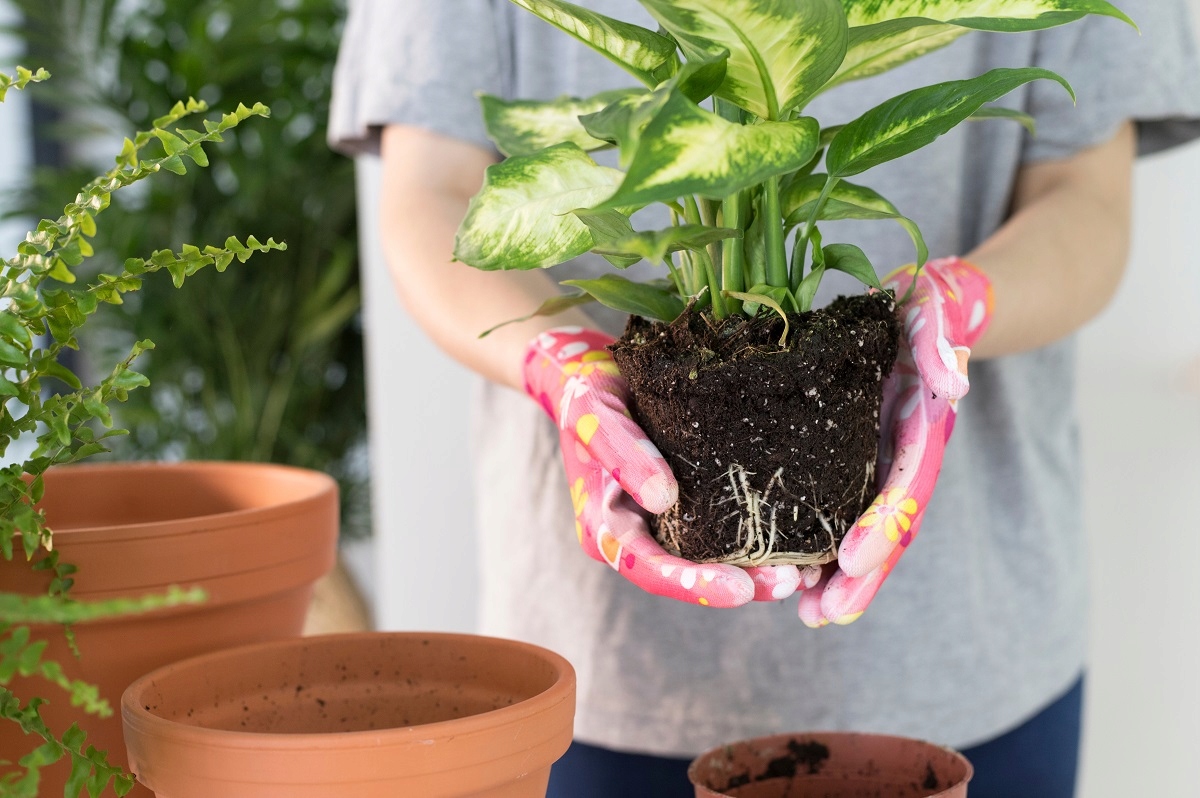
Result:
{"points": [[244, 542], [370, 715], [774, 406]]}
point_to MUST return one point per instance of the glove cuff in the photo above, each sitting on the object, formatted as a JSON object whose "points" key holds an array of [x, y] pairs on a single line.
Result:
{"points": [[966, 287], [963, 292]]}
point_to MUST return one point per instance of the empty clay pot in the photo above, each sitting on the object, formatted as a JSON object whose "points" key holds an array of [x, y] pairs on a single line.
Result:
{"points": [[830, 765], [366, 715], [255, 537]]}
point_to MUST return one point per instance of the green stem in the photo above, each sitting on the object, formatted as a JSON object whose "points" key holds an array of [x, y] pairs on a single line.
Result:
{"points": [[686, 270], [777, 273], [809, 226], [714, 286], [675, 278], [799, 252], [733, 255], [700, 257]]}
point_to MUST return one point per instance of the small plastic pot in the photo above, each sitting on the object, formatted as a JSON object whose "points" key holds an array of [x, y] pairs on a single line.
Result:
{"points": [[830, 765], [369, 715]]}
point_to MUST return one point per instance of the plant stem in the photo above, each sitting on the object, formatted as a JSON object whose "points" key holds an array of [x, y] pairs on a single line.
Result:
{"points": [[809, 226], [733, 256], [675, 277], [675, 207], [700, 257], [777, 273], [799, 252], [703, 261], [714, 287]]}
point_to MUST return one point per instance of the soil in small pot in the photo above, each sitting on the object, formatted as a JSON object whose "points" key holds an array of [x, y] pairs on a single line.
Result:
{"points": [[830, 765], [774, 446]]}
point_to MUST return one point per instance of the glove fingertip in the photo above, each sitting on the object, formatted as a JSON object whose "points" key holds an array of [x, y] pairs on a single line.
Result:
{"points": [[864, 550], [775, 583], [810, 575], [810, 613], [657, 493], [944, 370]]}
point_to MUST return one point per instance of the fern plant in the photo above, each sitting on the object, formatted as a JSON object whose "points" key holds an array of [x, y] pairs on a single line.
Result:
{"points": [[43, 306]]}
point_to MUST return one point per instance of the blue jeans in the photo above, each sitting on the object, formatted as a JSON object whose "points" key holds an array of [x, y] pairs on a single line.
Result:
{"points": [[1036, 760]]}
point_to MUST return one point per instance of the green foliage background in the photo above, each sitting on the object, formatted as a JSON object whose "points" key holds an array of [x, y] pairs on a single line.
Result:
{"points": [[263, 362]]}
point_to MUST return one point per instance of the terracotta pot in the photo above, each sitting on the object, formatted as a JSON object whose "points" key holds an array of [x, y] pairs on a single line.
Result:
{"points": [[830, 765], [368, 715], [255, 537]]}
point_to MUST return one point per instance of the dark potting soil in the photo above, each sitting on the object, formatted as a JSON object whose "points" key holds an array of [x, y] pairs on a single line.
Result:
{"points": [[774, 447]]}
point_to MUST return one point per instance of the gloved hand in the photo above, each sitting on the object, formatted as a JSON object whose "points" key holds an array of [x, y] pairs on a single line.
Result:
{"points": [[947, 313], [612, 467]]}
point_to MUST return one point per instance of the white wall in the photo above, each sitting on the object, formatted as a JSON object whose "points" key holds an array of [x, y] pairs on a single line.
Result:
{"points": [[1140, 383], [424, 565]]}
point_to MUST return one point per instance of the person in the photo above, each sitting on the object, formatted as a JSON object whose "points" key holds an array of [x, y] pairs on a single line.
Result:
{"points": [[977, 639]]}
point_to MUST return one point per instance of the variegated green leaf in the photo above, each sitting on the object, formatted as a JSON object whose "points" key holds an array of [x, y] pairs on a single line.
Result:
{"points": [[1000, 112], [853, 261], [521, 218], [807, 291], [654, 245], [805, 190], [781, 51], [887, 33], [608, 225], [835, 210], [995, 15], [914, 119], [846, 201], [640, 299], [771, 300], [622, 122], [687, 150], [551, 307], [877, 48], [648, 56], [522, 127]]}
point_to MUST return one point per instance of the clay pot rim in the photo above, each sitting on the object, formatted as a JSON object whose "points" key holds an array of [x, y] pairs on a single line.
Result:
{"points": [[146, 723], [845, 736], [314, 487]]}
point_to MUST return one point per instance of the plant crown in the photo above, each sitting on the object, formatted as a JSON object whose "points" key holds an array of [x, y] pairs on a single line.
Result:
{"points": [[717, 133], [42, 307]]}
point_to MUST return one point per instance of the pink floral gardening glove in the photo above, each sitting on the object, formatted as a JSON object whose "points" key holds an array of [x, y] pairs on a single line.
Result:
{"points": [[946, 314], [612, 467]]}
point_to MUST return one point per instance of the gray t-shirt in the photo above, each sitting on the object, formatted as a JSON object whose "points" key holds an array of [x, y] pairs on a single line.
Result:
{"points": [[982, 624]]}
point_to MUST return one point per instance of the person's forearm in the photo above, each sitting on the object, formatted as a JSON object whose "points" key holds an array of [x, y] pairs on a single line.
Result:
{"points": [[451, 301], [1057, 262]]}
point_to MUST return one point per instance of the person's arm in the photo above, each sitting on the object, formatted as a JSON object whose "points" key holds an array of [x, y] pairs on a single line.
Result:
{"points": [[1058, 260], [428, 180]]}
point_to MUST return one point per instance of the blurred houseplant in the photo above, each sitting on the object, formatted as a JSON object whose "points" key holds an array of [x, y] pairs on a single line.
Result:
{"points": [[265, 364], [43, 306]]}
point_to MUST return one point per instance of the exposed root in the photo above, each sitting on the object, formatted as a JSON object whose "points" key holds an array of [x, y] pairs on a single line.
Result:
{"points": [[759, 524]]}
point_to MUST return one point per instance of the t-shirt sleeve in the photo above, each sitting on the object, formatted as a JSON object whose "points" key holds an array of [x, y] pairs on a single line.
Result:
{"points": [[1152, 79], [417, 62]]}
